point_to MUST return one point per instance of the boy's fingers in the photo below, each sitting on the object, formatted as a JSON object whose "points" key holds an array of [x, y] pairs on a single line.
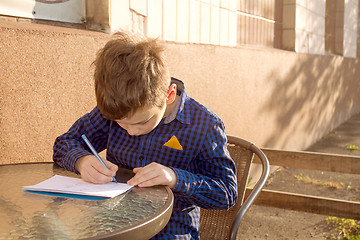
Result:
{"points": [[151, 182], [98, 173], [92, 170], [98, 177], [135, 170], [87, 175], [144, 173], [89, 178], [153, 174], [112, 167], [139, 177], [110, 170]]}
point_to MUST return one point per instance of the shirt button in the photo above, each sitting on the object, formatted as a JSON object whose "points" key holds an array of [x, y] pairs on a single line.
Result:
{"points": [[141, 158]]}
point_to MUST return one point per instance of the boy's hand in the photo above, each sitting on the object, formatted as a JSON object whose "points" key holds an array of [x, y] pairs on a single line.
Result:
{"points": [[93, 171], [153, 174]]}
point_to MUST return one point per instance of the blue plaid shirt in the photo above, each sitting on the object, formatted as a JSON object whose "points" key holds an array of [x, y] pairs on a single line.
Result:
{"points": [[206, 175]]}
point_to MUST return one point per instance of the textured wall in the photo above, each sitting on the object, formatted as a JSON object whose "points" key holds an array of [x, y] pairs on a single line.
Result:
{"points": [[46, 84], [274, 98]]}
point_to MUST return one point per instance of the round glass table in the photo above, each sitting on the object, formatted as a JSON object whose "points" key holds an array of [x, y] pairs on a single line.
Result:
{"points": [[138, 214]]}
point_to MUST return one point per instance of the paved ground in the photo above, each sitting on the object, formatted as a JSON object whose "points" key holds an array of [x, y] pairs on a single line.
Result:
{"points": [[337, 140], [273, 223]]}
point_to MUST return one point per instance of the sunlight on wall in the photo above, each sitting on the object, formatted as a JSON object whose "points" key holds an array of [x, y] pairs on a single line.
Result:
{"points": [[193, 21], [350, 28], [310, 27]]}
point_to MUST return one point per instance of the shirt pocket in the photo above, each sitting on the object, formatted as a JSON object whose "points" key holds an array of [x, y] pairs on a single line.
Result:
{"points": [[174, 157]]}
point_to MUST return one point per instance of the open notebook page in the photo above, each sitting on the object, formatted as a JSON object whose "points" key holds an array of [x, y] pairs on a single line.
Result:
{"points": [[70, 185]]}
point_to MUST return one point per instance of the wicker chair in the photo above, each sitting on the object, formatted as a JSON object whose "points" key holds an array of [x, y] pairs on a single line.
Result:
{"points": [[224, 224]]}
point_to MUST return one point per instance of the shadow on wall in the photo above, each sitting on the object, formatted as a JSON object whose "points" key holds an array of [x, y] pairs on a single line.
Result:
{"points": [[315, 96]]}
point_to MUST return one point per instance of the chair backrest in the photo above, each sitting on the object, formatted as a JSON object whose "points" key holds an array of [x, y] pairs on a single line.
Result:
{"points": [[224, 224]]}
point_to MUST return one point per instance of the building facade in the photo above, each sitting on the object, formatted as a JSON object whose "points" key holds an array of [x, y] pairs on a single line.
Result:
{"points": [[304, 26], [280, 73]]}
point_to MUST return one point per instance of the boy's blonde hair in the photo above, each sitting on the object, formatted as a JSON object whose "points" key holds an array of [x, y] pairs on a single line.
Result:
{"points": [[130, 74]]}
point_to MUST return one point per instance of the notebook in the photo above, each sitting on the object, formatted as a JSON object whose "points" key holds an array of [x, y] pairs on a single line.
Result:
{"points": [[70, 187]]}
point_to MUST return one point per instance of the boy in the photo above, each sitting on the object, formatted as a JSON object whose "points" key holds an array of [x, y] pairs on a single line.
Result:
{"points": [[147, 122]]}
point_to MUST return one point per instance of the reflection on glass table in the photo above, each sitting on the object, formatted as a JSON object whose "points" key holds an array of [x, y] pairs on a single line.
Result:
{"points": [[137, 214]]}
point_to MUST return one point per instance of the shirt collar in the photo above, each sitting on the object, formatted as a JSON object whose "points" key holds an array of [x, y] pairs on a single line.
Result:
{"points": [[179, 112]]}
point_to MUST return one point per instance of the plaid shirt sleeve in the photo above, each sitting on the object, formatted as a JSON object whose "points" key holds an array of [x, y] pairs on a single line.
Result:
{"points": [[211, 180], [69, 147]]}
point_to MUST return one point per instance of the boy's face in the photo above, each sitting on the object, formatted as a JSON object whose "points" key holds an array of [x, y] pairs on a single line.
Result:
{"points": [[143, 121]]}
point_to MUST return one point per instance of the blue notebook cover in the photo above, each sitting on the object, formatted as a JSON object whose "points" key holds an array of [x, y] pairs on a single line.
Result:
{"points": [[66, 195]]}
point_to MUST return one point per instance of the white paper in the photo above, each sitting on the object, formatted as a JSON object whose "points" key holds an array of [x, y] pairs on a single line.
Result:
{"points": [[70, 185]]}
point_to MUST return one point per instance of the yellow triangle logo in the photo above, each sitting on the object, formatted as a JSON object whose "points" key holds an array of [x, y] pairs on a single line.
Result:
{"points": [[174, 143]]}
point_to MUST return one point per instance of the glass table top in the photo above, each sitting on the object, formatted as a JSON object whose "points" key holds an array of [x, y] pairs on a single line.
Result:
{"points": [[135, 214]]}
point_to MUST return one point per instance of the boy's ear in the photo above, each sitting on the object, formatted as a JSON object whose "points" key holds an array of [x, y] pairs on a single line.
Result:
{"points": [[171, 95]]}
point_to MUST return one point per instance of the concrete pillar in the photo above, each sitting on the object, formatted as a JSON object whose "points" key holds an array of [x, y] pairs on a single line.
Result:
{"points": [[97, 15]]}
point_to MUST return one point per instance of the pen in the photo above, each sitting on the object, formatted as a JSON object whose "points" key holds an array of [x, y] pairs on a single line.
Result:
{"points": [[95, 153]]}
